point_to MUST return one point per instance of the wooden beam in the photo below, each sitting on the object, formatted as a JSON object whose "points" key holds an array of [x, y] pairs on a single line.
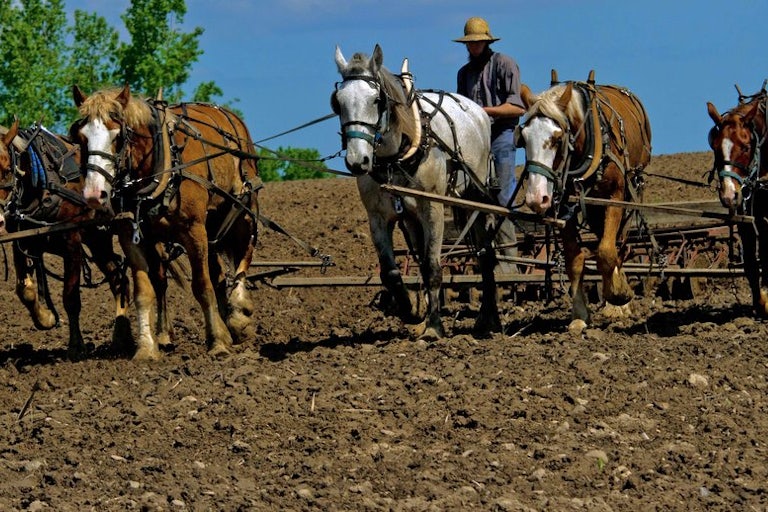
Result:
{"points": [[47, 230], [463, 280], [471, 205], [664, 207]]}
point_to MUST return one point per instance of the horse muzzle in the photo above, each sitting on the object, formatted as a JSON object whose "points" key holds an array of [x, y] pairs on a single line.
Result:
{"points": [[359, 168], [540, 189]]}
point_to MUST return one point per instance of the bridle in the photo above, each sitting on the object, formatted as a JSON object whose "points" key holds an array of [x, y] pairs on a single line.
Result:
{"points": [[117, 159], [750, 178], [566, 142], [382, 123]]}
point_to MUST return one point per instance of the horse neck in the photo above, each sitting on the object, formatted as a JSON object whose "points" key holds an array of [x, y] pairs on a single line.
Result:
{"points": [[400, 123], [142, 152], [761, 132]]}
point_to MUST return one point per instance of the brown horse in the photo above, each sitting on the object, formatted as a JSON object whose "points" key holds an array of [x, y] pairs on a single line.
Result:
{"points": [[42, 189], [739, 140], [183, 176], [590, 141]]}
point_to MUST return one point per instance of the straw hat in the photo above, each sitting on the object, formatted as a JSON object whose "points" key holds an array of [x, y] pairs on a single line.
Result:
{"points": [[476, 29]]}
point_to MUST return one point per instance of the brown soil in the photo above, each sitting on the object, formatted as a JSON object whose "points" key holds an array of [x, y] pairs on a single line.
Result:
{"points": [[337, 409]]}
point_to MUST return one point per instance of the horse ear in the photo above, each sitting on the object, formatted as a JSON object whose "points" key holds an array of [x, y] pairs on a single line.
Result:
{"points": [[527, 96], [78, 95], [341, 62], [714, 114], [11, 133], [565, 99], [125, 96], [376, 59], [749, 117], [335, 103]]}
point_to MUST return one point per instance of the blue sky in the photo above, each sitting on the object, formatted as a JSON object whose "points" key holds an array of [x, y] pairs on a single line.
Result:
{"points": [[277, 57]]}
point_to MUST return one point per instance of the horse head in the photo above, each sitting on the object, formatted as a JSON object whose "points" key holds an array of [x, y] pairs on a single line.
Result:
{"points": [[108, 118], [367, 101], [736, 139], [545, 136], [6, 166]]}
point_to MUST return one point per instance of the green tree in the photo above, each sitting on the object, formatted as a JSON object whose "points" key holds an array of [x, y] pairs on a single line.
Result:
{"points": [[42, 56], [289, 163], [158, 55], [93, 53], [33, 83]]}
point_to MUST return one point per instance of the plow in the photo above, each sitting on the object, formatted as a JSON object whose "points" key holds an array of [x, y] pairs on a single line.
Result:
{"points": [[677, 250]]}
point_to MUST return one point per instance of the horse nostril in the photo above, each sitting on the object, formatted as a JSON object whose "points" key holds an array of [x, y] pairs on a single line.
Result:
{"points": [[103, 197]]}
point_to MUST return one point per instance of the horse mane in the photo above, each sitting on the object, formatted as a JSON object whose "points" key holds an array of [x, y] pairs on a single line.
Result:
{"points": [[546, 105], [103, 104], [401, 114]]}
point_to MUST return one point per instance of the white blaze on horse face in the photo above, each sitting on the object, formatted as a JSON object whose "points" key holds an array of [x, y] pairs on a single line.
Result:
{"points": [[729, 190], [358, 103], [99, 139], [539, 134]]}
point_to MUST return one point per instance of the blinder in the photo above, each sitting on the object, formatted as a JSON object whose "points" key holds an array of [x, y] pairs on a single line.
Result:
{"points": [[712, 135]]}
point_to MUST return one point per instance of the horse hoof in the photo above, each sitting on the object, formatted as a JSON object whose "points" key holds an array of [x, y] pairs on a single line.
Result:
{"points": [[241, 327], [576, 327], [431, 334], [416, 330], [486, 326], [164, 341], [146, 354], [44, 319], [76, 353], [616, 312], [219, 351]]}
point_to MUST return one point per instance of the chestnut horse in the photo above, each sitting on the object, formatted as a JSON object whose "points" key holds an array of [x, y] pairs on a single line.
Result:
{"points": [[589, 141], [739, 140], [176, 177], [43, 185], [432, 141]]}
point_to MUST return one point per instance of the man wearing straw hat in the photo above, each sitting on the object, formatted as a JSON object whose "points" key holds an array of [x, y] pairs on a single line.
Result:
{"points": [[492, 80]]}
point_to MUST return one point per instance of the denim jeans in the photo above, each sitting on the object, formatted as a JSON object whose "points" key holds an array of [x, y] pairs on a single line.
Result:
{"points": [[503, 149]]}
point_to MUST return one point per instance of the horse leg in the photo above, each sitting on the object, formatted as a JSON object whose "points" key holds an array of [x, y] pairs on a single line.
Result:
{"points": [[143, 294], [73, 264], [762, 240], [238, 304], [430, 248], [616, 289], [391, 278], [575, 257], [158, 270], [749, 234], [26, 290], [488, 320], [110, 264], [218, 338]]}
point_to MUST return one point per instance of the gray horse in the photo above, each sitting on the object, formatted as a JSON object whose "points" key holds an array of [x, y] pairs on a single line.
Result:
{"points": [[432, 141]]}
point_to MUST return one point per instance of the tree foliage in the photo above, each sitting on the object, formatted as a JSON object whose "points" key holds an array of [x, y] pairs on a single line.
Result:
{"points": [[291, 164], [158, 55], [42, 55], [32, 80]]}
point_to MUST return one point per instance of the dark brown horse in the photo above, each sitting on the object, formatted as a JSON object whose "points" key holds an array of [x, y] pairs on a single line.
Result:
{"points": [[42, 190], [739, 140], [183, 176], [590, 141]]}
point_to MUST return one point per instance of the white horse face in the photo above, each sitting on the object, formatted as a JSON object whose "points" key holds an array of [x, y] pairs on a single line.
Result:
{"points": [[543, 139], [100, 141], [359, 113], [730, 188]]}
